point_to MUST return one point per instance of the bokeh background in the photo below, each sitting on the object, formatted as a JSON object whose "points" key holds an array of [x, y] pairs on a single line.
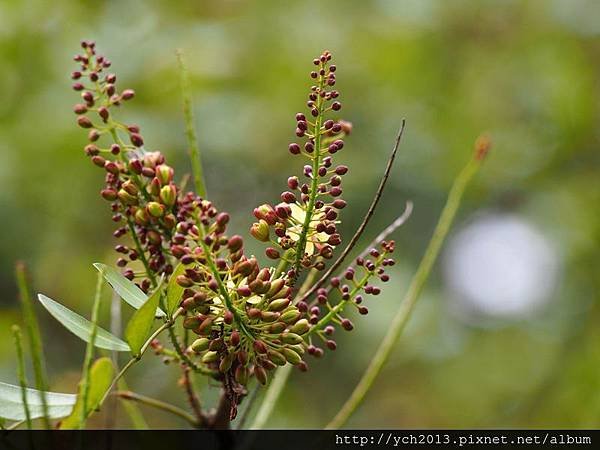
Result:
{"points": [[507, 331]]}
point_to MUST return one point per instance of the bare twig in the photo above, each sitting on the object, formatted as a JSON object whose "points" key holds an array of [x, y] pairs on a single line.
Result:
{"points": [[365, 220]]}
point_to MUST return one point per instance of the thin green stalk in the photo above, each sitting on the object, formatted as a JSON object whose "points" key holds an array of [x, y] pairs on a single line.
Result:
{"points": [[412, 295], [89, 350], [16, 331], [159, 404], [272, 395], [190, 130], [32, 330]]}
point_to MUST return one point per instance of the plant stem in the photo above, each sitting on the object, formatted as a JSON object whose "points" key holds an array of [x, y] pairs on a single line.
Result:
{"points": [[16, 331], [310, 209], [412, 295], [193, 398], [89, 350], [365, 220], [32, 330], [159, 404], [189, 127], [272, 395]]}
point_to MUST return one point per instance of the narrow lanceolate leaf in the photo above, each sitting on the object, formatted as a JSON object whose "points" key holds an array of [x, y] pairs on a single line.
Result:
{"points": [[139, 326], [82, 327], [12, 408], [126, 289], [99, 381], [174, 290]]}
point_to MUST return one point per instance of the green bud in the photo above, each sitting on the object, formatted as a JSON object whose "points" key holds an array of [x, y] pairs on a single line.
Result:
{"points": [[199, 345], [260, 230], [241, 375], [290, 316], [141, 217], [276, 286], [291, 356], [126, 198], [291, 338], [226, 362], [300, 327], [276, 357], [279, 305], [260, 374], [269, 316], [155, 209], [164, 174], [168, 195], [283, 293], [210, 357], [277, 327], [298, 348]]}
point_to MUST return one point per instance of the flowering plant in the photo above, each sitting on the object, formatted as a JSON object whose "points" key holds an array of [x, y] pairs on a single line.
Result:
{"points": [[228, 315]]}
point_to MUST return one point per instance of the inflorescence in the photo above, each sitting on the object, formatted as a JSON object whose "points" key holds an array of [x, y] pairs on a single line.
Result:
{"points": [[248, 318]]}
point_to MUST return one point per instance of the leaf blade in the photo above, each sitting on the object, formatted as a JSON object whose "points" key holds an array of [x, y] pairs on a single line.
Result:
{"points": [[174, 290], [81, 327], [12, 407], [100, 379], [126, 289], [139, 326]]}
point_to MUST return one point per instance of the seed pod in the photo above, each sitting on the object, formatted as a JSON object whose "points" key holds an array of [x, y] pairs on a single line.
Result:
{"points": [[260, 374], [279, 305], [210, 357], [276, 357], [300, 327], [291, 356], [199, 345], [291, 338]]}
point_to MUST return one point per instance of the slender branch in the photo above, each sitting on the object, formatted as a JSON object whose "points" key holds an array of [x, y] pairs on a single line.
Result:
{"points": [[32, 330], [89, 350], [271, 397], [159, 404], [189, 127], [220, 419], [193, 398], [365, 220], [412, 295], [16, 331]]}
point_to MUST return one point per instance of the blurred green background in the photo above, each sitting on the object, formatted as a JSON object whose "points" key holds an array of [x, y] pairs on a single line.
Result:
{"points": [[525, 72]]}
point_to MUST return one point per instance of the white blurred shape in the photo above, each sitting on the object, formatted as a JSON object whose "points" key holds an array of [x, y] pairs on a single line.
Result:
{"points": [[500, 266]]}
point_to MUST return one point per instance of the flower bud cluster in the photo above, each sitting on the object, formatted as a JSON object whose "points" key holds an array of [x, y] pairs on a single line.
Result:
{"points": [[351, 287], [302, 228]]}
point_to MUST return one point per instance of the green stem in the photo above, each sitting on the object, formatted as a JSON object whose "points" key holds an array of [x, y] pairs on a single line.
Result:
{"points": [[272, 395], [89, 350], [159, 404], [32, 330], [310, 209], [140, 251], [412, 295], [21, 372], [190, 131]]}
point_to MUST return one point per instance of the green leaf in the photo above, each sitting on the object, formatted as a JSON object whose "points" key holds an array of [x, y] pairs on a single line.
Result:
{"points": [[174, 290], [99, 381], [82, 327], [12, 407], [139, 326], [126, 289]]}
